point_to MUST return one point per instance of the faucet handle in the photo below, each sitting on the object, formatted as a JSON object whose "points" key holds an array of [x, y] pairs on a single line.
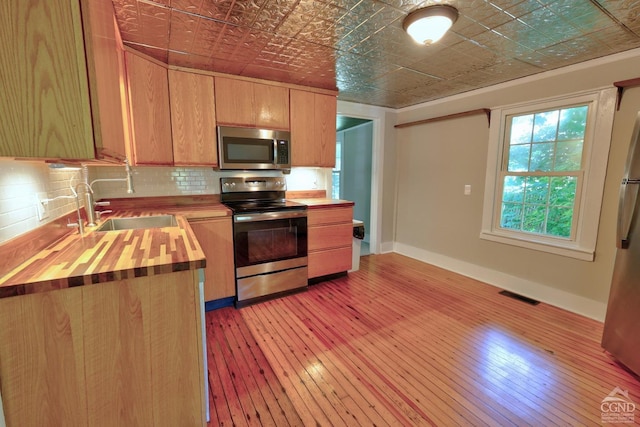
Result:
{"points": [[100, 213], [105, 203], [79, 225]]}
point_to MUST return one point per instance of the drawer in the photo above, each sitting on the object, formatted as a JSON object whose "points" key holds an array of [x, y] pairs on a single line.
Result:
{"points": [[329, 236], [330, 261], [329, 216]]}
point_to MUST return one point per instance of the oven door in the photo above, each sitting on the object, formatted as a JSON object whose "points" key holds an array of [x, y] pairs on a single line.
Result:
{"points": [[269, 242]]}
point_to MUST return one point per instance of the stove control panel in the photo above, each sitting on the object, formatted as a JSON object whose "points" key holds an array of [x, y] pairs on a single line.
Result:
{"points": [[236, 184]]}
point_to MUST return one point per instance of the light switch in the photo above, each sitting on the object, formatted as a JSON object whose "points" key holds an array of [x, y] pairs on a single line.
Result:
{"points": [[467, 189]]}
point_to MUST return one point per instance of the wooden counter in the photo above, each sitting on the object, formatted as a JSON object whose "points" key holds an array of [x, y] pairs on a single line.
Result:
{"points": [[128, 351], [323, 202], [99, 257]]}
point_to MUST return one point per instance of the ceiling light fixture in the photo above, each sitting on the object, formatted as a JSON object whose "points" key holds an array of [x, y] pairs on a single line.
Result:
{"points": [[429, 24]]}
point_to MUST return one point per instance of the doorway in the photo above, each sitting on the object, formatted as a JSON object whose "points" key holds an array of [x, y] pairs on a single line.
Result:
{"points": [[351, 178]]}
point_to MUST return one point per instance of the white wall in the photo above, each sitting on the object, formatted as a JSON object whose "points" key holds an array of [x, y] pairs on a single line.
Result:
{"points": [[438, 224]]}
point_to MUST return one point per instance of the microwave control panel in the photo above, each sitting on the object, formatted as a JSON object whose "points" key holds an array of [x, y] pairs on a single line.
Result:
{"points": [[283, 152]]}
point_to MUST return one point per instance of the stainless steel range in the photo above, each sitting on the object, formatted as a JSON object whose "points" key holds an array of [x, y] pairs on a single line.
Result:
{"points": [[269, 238]]}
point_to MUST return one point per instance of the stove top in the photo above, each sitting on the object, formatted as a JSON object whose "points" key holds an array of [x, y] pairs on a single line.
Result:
{"points": [[257, 206], [256, 195]]}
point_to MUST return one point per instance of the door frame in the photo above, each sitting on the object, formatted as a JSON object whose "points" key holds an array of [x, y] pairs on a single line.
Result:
{"points": [[376, 115]]}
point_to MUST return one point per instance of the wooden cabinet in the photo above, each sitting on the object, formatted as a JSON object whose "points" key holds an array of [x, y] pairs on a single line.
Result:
{"points": [[215, 236], [313, 129], [107, 80], [149, 108], [57, 102], [246, 103], [193, 119], [115, 354], [330, 232]]}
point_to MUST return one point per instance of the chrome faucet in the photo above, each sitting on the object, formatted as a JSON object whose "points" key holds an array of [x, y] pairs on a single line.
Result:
{"points": [[90, 204], [128, 179], [80, 222]]}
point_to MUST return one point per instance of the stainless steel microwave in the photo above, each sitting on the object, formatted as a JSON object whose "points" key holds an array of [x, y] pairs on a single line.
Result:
{"points": [[253, 149]]}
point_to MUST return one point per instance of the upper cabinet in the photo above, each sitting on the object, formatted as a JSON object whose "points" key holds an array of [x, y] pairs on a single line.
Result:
{"points": [[149, 108], [193, 122], [313, 129], [107, 85], [245, 103], [57, 102]]}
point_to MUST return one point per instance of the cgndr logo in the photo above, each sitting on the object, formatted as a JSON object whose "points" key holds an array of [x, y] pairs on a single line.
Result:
{"points": [[618, 407]]}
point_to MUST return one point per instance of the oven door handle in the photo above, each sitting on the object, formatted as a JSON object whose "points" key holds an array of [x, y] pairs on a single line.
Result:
{"points": [[267, 216]]}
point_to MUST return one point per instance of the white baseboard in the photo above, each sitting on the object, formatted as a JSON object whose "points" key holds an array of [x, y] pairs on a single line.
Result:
{"points": [[565, 300], [386, 247]]}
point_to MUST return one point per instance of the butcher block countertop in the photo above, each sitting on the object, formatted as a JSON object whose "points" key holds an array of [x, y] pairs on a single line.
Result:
{"points": [[97, 257]]}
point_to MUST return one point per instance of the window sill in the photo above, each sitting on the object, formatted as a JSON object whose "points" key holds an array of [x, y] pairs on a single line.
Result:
{"points": [[571, 249]]}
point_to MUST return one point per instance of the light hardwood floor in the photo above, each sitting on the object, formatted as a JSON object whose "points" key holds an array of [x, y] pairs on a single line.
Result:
{"points": [[401, 342]]}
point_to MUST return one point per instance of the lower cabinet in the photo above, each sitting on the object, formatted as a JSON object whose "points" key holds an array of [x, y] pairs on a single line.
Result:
{"points": [[121, 353], [330, 232], [215, 236]]}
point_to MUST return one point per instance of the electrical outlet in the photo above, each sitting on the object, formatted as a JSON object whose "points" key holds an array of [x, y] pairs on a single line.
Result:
{"points": [[467, 189], [42, 206]]}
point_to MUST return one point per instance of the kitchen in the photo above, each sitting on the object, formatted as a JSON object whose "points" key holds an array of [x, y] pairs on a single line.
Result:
{"points": [[404, 201]]}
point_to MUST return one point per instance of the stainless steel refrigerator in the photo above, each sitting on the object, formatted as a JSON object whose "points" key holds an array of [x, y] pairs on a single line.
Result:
{"points": [[621, 335]]}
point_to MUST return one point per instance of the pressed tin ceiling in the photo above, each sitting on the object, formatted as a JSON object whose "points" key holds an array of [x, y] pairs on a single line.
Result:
{"points": [[359, 47]]}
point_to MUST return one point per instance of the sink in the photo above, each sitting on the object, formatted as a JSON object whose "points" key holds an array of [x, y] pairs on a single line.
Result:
{"points": [[158, 221]]}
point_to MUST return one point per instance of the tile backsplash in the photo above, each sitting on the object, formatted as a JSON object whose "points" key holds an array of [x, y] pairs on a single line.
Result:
{"points": [[184, 181], [153, 181], [20, 181]]}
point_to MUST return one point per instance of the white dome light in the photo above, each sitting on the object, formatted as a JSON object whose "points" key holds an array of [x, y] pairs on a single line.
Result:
{"points": [[428, 25]]}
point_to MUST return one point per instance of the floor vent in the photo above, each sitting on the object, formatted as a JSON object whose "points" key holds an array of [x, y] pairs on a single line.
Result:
{"points": [[519, 297]]}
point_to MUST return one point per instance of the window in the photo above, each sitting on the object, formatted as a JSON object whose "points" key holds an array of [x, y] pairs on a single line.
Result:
{"points": [[545, 173], [336, 173]]}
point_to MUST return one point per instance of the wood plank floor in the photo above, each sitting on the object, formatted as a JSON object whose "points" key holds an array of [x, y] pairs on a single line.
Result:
{"points": [[401, 342]]}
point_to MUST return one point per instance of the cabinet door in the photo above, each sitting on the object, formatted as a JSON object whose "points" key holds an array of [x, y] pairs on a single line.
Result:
{"points": [[150, 117], [325, 107], [330, 236], [271, 106], [329, 240], [330, 215], [193, 123], [313, 129], [44, 107], [106, 78], [42, 363], [304, 151], [216, 239], [234, 102], [332, 261]]}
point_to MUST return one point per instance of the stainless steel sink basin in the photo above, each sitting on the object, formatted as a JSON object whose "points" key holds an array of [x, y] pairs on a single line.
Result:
{"points": [[157, 221]]}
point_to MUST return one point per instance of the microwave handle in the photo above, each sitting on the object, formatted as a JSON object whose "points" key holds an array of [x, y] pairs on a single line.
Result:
{"points": [[275, 151]]}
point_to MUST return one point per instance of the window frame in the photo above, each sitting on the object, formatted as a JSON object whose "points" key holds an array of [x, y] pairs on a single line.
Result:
{"points": [[337, 169], [589, 191]]}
